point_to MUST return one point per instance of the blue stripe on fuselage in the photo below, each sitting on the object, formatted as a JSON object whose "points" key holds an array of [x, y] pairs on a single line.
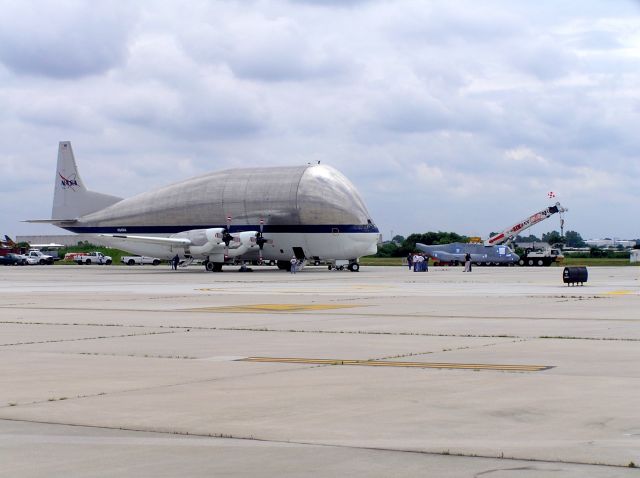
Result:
{"points": [[294, 228]]}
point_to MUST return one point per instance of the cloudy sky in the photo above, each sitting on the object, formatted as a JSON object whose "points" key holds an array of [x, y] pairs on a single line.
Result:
{"points": [[447, 115]]}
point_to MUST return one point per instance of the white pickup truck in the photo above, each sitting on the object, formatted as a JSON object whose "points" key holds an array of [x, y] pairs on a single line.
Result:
{"points": [[37, 257], [140, 260], [95, 257]]}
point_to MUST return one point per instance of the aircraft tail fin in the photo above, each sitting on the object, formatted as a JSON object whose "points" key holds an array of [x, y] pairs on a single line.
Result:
{"points": [[71, 198]]}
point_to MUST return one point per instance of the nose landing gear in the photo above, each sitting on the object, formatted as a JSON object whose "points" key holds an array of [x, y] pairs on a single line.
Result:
{"points": [[340, 265]]}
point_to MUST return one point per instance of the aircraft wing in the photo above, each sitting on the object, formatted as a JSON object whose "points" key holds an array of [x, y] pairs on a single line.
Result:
{"points": [[55, 222], [163, 241]]}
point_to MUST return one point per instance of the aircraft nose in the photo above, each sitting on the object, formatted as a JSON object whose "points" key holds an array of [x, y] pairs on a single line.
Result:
{"points": [[326, 196]]}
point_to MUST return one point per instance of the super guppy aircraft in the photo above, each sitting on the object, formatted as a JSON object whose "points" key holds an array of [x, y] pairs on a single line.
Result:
{"points": [[309, 211]]}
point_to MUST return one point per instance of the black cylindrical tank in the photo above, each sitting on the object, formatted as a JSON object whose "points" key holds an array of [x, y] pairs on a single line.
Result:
{"points": [[575, 275]]}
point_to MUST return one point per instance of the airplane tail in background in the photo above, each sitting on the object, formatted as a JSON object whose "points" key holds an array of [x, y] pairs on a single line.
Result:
{"points": [[71, 198]]}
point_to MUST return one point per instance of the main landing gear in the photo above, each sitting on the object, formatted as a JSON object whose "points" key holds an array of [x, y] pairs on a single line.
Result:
{"points": [[213, 266]]}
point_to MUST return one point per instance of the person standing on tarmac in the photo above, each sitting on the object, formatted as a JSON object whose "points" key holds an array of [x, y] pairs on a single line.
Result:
{"points": [[410, 260], [417, 263], [174, 262], [294, 264], [467, 262]]}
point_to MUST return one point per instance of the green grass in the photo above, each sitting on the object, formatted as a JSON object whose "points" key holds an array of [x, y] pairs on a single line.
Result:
{"points": [[380, 261], [596, 261]]}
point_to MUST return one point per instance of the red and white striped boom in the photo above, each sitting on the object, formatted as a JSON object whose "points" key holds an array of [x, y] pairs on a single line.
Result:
{"points": [[509, 234]]}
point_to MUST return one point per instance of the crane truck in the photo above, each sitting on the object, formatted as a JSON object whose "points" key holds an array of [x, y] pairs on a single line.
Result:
{"points": [[495, 250], [532, 257]]}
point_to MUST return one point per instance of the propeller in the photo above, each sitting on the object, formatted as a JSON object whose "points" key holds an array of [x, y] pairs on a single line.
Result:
{"points": [[227, 237], [260, 240]]}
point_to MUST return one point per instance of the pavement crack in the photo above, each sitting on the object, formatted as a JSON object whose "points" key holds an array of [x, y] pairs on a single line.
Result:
{"points": [[80, 339], [232, 436], [161, 386], [450, 349]]}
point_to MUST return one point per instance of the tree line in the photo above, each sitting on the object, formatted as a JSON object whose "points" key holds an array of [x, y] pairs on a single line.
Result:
{"points": [[401, 246]]}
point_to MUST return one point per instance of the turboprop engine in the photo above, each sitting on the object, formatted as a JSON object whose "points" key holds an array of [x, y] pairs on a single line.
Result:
{"points": [[217, 242], [202, 241], [246, 240]]}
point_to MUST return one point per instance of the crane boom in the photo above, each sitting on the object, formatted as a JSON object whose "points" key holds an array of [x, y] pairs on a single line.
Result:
{"points": [[510, 233]]}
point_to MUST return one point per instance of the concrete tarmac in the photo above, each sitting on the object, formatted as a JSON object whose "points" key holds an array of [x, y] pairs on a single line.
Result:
{"points": [[144, 371]]}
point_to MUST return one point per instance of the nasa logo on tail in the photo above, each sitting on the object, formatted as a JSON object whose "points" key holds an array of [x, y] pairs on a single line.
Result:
{"points": [[68, 183]]}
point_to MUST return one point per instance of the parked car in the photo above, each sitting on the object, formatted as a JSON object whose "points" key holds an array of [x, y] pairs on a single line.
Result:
{"points": [[141, 260], [29, 261], [12, 259], [95, 257], [40, 257]]}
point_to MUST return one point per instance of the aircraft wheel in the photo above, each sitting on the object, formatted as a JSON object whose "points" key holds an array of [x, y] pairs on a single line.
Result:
{"points": [[330, 267], [341, 268], [354, 267]]}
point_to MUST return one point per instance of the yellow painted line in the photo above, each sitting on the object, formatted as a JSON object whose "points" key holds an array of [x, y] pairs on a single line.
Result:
{"points": [[620, 292], [387, 363], [274, 308]]}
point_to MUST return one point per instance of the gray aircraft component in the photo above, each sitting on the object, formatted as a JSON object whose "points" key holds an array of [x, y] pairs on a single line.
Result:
{"points": [[481, 254], [221, 216], [287, 199], [71, 198], [298, 195]]}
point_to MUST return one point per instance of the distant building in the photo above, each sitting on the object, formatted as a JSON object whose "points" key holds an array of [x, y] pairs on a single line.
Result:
{"points": [[611, 243], [64, 239]]}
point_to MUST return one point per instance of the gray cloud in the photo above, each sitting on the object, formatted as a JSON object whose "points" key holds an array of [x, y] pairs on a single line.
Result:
{"points": [[264, 47], [442, 113], [65, 39]]}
